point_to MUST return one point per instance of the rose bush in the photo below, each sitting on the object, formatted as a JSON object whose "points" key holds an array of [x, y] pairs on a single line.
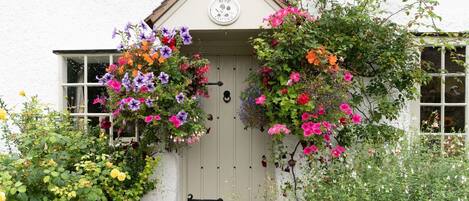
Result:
{"points": [[154, 87]]}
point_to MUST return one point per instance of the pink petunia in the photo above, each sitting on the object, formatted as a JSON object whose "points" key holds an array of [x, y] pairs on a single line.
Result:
{"points": [[157, 117], [348, 76], [337, 151], [148, 119], [115, 85], [261, 100], [122, 61], [305, 116], [278, 129], [344, 107], [356, 119], [309, 150], [327, 125], [327, 138], [310, 128], [175, 121], [321, 111], [295, 77]]}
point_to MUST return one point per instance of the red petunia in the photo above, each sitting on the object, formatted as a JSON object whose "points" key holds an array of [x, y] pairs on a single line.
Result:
{"points": [[303, 99]]}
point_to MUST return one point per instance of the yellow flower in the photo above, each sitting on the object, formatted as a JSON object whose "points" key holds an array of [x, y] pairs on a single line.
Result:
{"points": [[22, 93], [3, 116], [72, 194], [121, 176], [3, 197], [115, 173], [109, 164]]}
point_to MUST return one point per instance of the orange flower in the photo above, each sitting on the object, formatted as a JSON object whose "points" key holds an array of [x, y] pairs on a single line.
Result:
{"points": [[121, 70], [312, 58], [135, 73], [145, 45], [161, 60], [332, 59], [148, 59], [154, 56], [139, 66], [334, 68]]}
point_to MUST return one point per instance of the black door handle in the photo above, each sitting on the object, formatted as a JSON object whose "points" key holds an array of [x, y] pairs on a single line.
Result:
{"points": [[190, 197]]}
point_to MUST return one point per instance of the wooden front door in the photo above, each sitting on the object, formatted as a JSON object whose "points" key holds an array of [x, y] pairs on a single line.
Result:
{"points": [[227, 163]]}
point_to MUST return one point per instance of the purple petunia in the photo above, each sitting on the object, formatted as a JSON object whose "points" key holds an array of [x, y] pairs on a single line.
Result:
{"points": [[149, 102], [180, 98], [184, 29], [166, 32], [141, 36], [164, 78], [182, 116], [151, 87], [186, 38], [126, 82], [128, 26], [134, 104], [149, 77], [120, 47], [106, 78], [139, 81], [166, 52], [143, 25]]}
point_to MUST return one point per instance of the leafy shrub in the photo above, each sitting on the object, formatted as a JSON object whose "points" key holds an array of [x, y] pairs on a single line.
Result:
{"points": [[392, 172], [56, 161]]}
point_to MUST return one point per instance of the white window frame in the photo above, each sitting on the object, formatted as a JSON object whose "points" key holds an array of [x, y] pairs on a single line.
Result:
{"points": [[86, 84], [416, 105]]}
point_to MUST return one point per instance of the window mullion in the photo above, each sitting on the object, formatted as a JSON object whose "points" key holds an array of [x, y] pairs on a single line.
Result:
{"points": [[85, 78], [442, 99], [466, 118]]}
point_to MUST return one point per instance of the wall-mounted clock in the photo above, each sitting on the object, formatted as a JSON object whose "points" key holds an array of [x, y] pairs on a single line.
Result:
{"points": [[224, 12]]}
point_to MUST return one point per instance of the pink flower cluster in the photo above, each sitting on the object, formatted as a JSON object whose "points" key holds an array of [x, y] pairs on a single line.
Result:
{"points": [[345, 108], [310, 149], [278, 129], [261, 100], [294, 78], [278, 18], [151, 118], [175, 121], [337, 151]]}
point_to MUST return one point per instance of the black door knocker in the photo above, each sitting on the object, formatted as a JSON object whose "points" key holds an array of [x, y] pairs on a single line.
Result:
{"points": [[227, 96]]}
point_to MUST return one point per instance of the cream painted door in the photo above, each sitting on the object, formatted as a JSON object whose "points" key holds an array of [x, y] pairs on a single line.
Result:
{"points": [[227, 163]]}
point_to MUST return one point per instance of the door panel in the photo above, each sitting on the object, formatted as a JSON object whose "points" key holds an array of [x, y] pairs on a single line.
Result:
{"points": [[227, 162]]}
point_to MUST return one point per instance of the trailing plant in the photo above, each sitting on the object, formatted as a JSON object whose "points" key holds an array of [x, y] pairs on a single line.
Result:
{"points": [[50, 159], [156, 88]]}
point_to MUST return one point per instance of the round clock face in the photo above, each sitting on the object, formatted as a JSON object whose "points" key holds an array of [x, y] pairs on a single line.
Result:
{"points": [[224, 12]]}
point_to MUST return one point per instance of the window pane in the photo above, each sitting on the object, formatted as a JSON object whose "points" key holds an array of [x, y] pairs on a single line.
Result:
{"points": [[97, 67], [453, 145], [455, 89], [102, 123], [451, 65], [430, 119], [431, 92], [454, 119], [74, 99], [75, 69], [431, 59], [93, 93]]}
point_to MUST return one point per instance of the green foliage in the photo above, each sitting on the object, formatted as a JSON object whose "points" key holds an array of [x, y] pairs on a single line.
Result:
{"points": [[392, 172], [56, 161]]}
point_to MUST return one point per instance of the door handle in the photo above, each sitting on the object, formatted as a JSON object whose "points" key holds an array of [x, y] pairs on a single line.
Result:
{"points": [[219, 83]]}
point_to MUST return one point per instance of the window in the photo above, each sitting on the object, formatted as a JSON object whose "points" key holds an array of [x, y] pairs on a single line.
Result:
{"points": [[444, 99], [80, 87]]}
